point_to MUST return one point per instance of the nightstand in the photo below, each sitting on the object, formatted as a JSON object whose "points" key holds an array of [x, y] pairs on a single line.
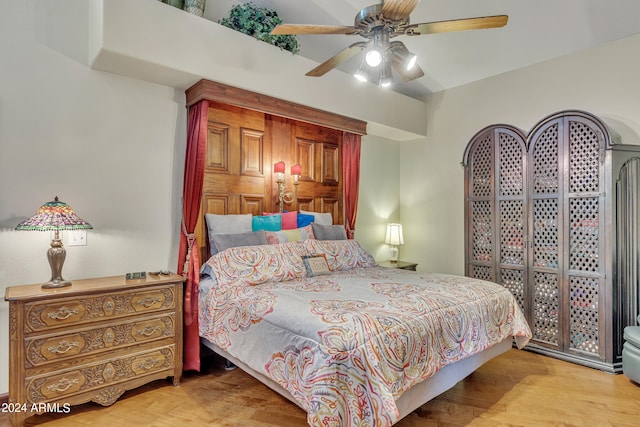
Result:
{"points": [[399, 264], [91, 341]]}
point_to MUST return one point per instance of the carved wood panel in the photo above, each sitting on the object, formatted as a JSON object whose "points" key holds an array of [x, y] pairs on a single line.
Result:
{"points": [[242, 146]]}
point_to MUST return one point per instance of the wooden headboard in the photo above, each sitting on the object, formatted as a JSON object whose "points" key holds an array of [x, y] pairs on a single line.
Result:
{"points": [[247, 134]]}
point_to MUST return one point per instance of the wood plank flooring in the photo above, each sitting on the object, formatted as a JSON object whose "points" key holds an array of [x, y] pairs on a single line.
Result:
{"points": [[519, 388]]}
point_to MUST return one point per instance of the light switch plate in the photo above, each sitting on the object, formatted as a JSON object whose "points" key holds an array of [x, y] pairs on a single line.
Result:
{"points": [[76, 237]]}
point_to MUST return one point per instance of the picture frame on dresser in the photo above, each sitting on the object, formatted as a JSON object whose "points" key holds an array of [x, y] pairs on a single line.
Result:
{"points": [[92, 341]]}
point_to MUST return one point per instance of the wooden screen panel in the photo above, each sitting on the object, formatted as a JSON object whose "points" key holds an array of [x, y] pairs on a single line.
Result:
{"points": [[330, 164], [305, 156], [217, 146], [242, 146], [234, 181], [317, 150], [252, 152]]}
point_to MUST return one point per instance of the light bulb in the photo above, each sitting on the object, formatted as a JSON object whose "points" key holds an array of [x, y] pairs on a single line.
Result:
{"points": [[373, 57], [411, 61]]}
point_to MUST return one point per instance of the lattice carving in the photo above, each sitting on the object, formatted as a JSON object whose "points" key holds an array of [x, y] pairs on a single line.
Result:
{"points": [[482, 272], [584, 158], [514, 281], [511, 232], [545, 162], [511, 166], [584, 314], [583, 234], [482, 231], [545, 300], [481, 168], [545, 233]]}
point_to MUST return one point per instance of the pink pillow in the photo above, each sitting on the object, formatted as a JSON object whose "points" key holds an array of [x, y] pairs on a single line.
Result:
{"points": [[289, 219]]}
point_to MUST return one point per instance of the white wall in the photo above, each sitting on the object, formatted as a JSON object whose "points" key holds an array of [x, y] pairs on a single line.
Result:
{"points": [[111, 147], [378, 201], [603, 81]]}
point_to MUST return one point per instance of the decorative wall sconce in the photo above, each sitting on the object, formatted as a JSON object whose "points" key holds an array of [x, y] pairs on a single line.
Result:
{"points": [[394, 239], [285, 196]]}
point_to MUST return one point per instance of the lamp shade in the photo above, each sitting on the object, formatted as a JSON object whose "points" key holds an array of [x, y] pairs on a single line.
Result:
{"points": [[296, 169], [394, 235], [278, 167], [53, 216]]}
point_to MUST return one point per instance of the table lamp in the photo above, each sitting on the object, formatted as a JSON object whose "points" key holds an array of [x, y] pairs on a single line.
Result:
{"points": [[55, 216], [394, 238]]}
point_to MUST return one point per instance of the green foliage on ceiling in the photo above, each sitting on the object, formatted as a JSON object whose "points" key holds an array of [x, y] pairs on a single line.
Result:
{"points": [[258, 22]]}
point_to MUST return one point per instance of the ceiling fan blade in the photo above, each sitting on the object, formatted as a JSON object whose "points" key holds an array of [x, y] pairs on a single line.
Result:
{"points": [[456, 25], [398, 10], [337, 59], [312, 29]]}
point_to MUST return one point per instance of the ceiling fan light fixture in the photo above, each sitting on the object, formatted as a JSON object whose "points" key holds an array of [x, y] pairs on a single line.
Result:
{"points": [[386, 77], [360, 76], [374, 57], [410, 61], [364, 73]]}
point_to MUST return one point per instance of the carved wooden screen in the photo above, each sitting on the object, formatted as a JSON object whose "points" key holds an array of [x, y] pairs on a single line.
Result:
{"points": [[245, 139], [496, 195], [551, 238]]}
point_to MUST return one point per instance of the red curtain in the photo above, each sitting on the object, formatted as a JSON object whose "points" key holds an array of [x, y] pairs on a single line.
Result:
{"points": [[188, 256], [351, 177]]}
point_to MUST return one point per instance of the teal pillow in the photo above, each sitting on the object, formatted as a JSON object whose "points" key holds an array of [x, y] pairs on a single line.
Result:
{"points": [[267, 223]]}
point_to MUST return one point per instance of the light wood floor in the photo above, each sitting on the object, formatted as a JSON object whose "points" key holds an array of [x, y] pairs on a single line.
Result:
{"points": [[518, 388]]}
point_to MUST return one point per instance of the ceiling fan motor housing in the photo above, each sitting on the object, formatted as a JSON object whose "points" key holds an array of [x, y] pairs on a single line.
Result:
{"points": [[371, 18]]}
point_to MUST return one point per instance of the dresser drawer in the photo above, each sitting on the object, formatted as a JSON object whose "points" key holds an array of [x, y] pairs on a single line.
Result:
{"points": [[50, 348], [57, 386], [44, 315]]}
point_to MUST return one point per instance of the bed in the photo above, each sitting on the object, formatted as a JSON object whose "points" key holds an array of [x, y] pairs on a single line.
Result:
{"points": [[350, 342]]}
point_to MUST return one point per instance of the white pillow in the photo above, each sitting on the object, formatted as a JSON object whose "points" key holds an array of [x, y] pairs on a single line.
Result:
{"points": [[320, 218]]}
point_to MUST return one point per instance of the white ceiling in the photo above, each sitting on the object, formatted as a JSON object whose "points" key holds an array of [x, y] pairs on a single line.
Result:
{"points": [[537, 30]]}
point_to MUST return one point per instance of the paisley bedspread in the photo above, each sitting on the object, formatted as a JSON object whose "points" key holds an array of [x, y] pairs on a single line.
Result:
{"points": [[346, 345]]}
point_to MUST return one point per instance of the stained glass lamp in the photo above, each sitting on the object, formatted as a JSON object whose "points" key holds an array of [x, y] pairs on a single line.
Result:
{"points": [[55, 216]]}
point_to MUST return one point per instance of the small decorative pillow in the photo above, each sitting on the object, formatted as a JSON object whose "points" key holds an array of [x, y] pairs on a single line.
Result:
{"points": [[340, 254], [316, 265], [304, 220], [267, 223], [283, 236], [329, 232], [319, 217], [289, 219], [253, 265], [226, 241]]}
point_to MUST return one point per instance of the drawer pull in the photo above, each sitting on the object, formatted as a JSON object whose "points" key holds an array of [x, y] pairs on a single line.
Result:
{"points": [[62, 313], [148, 301], [63, 347], [63, 385], [149, 363], [148, 331]]}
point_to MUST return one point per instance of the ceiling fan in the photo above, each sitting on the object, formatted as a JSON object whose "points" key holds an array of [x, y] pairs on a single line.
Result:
{"points": [[378, 24]]}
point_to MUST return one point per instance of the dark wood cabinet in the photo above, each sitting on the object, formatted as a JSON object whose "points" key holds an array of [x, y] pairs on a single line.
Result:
{"points": [[541, 220]]}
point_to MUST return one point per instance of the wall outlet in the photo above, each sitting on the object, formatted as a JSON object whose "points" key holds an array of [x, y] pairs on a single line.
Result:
{"points": [[76, 237]]}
